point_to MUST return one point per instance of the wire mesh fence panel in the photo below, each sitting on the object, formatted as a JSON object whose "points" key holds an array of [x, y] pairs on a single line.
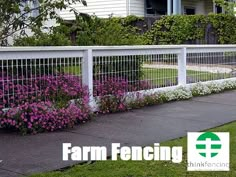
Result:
{"points": [[62, 73], [134, 72], [210, 66], [25, 79]]}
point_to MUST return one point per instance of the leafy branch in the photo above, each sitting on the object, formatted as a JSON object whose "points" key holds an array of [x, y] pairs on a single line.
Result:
{"points": [[16, 15]]}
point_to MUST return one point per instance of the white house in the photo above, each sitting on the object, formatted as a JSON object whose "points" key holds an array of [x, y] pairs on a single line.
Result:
{"points": [[142, 8]]}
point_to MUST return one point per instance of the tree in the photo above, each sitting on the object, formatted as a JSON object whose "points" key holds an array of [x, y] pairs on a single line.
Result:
{"points": [[16, 15]]}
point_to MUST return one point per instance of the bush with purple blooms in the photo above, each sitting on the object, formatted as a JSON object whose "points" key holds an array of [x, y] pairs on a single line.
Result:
{"points": [[54, 102], [112, 93], [41, 116], [48, 103]]}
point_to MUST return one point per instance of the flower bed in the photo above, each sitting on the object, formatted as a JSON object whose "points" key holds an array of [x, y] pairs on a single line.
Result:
{"points": [[51, 103], [112, 93], [120, 101], [43, 104]]}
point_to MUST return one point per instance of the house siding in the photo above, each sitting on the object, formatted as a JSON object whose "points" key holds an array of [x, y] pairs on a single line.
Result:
{"points": [[101, 8], [137, 7], [209, 7]]}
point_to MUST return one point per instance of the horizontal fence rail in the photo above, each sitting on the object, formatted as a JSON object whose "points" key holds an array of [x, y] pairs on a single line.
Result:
{"points": [[28, 71]]}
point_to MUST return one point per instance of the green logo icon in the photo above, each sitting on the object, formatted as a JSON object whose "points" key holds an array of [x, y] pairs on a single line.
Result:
{"points": [[208, 144]]}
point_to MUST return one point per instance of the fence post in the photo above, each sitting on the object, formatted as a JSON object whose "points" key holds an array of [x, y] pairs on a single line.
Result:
{"points": [[87, 73], [182, 69]]}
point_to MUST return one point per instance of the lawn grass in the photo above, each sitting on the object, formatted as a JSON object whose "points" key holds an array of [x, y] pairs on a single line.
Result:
{"points": [[150, 168], [164, 76], [169, 76], [75, 70]]}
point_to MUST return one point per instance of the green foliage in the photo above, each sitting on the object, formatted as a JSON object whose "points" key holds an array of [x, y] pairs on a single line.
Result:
{"points": [[89, 30], [131, 20], [177, 29], [43, 39], [226, 5], [181, 29], [16, 15], [112, 31], [225, 27]]}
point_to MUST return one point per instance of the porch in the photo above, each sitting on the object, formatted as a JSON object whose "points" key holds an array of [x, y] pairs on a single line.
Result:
{"points": [[175, 7]]}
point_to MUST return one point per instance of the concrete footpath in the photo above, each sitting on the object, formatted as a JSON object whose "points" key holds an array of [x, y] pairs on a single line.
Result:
{"points": [[24, 155]]}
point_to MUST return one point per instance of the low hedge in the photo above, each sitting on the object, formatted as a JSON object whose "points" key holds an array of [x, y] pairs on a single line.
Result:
{"points": [[181, 29]]}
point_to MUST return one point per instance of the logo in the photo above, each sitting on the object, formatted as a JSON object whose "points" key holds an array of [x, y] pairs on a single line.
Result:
{"points": [[208, 151], [209, 144]]}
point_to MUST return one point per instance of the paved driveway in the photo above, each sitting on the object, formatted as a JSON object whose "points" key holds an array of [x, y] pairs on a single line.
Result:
{"points": [[24, 155]]}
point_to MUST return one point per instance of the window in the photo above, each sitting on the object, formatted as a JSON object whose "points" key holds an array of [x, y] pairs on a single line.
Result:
{"points": [[189, 11], [154, 7], [218, 9]]}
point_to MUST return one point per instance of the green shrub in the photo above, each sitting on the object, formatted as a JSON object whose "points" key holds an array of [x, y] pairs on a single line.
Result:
{"points": [[224, 26], [181, 29], [111, 31], [44, 39]]}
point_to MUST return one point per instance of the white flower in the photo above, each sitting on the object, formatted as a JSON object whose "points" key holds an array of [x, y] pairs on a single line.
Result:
{"points": [[229, 84], [216, 87], [182, 93], [200, 89]]}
